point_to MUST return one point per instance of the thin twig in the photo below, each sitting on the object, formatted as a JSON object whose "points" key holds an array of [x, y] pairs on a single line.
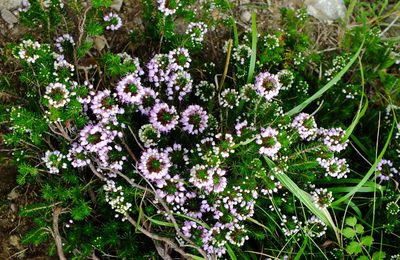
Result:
{"points": [[56, 233]]}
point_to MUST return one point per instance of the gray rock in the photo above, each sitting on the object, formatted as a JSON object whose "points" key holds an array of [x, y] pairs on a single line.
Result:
{"points": [[116, 5], [8, 17], [10, 4], [326, 10]]}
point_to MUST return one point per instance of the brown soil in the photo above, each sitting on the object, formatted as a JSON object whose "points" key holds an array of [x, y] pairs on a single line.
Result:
{"points": [[13, 227]]}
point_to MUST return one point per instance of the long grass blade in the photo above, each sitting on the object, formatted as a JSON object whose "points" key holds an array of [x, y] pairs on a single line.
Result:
{"points": [[325, 88], [369, 173], [304, 197], [254, 37]]}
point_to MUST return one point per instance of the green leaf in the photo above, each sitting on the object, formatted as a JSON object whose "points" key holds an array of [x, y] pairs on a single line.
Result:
{"points": [[230, 252], [354, 248], [367, 240], [325, 88], [349, 232], [304, 197], [351, 221], [378, 255], [300, 254], [253, 47], [363, 257], [81, 211], [359, 229], [369, 173]]}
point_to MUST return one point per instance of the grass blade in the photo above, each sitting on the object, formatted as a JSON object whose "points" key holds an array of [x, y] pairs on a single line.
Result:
{"points": [[254, 37], [304, 197], [325, 88], [369, 173]]}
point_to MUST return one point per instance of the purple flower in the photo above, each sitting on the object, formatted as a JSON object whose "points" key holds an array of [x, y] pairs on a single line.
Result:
{"points": [[202, 177], [62, 40], [129, 89], [333, 138], [267, 85], [113, 21], [180, 83], [172, 190], [180, 57], [194, 119], [268, 141], [147, 100], [386, 170], [306, 126], [78, 156], [105, 106], [163, 117], [154, 165]]}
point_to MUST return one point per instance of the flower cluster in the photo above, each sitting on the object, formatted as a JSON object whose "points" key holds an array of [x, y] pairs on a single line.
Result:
{"points": [[196, 31], [113, 21], [191, 155], [54, 161], [386, 170], [267, 85], [62, 40]]}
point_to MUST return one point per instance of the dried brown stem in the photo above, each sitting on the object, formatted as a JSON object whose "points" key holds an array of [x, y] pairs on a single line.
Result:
{"points": [[56, 233]]}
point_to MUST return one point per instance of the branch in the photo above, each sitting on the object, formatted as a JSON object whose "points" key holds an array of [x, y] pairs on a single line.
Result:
{"points": [[56, 233]]}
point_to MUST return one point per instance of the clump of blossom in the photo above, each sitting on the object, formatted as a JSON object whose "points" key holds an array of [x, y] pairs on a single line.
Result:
{"points": [[229, 98], [236, 234], [179, 83], [315, 227], [172, 189], [158, 69], [167, 7], [322, 198], [63, 39], [202, 177], [115, 197], [225, 146], [105, 106], [129, 89], [180, 57], [78, 156], [149, 135], [154, 165], [268, 141], [267, 85], [54, 161], [286, 78], [28, 51], [163, 117], [147, 100], [386, 170], [177, 154], [97, 139], [241, 54], [57, 95], [247, 92], [194, 119], [113, 21], [205, 90], [337, 168], [219, 180], [290, 226], [196, 31], [306, 126], [333, 139]]}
